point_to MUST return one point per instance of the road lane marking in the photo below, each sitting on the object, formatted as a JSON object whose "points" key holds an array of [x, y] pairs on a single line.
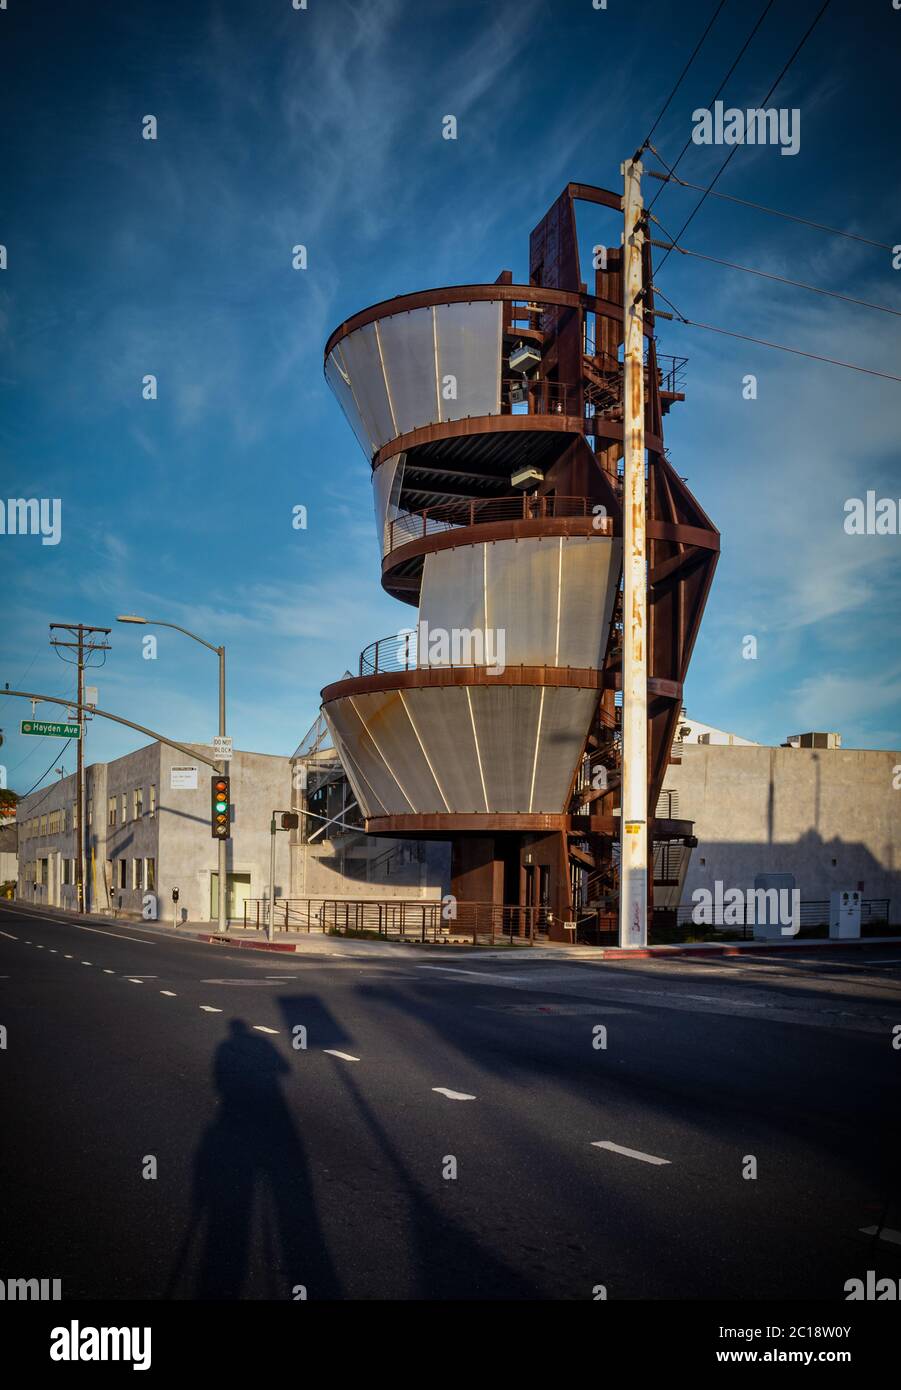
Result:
{"points": [[345, 1056], [628, 1153], [258, 1028], [485, 974], [133, 981], [39, 946], [8, 935], [52, 951], [100, 932], [169, 993], [68, 957], [109, 972], [452, 1095], [85, 962], [893, 1237], [208, 1009]]}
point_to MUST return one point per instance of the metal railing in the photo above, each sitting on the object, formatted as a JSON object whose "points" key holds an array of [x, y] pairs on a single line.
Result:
{"points": [[478, 924], [479, 511], [813, 914]]}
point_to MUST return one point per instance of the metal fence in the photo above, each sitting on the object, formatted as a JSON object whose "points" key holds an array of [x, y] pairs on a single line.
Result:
{"points": [[478, 511], [479, 924]]}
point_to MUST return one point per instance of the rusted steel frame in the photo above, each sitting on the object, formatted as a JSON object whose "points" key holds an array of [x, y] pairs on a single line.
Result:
{"points": [[471, 294], [610, 430], [429, 677]]}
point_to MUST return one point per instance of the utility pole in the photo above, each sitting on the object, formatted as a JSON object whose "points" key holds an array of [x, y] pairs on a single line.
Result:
{"points": [[633, 878], [80, 632]]}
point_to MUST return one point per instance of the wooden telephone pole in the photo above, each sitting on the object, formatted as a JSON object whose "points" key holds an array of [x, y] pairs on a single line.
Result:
{"points": [[83, 644]]}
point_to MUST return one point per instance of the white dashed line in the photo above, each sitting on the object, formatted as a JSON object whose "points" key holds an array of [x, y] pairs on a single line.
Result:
{"points": [[452, 1095], [345, 1056], [68, 957], [85, 962], [118, 935], [8, 936], [893, 1237], [258, 1028], [208, 1009], [39, 946], [484, 974], [109, 972], [628, 1153], [132, 980], [169, 993], [52, 951]]}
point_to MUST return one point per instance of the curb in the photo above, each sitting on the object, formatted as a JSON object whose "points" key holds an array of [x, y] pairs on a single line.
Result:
{"points": [[663, 952], [218, 940]]}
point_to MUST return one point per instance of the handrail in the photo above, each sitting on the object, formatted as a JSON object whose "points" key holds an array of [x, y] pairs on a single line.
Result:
{"points": [[477, 511]]}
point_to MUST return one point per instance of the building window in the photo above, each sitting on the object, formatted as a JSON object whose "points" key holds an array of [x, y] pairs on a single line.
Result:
{"points": [[153, 798], [67, 871], [123, 873], [90, 810], [43, 825], [150, 875], [138, 803], [137, 874], [111, 817], [124, 800]]}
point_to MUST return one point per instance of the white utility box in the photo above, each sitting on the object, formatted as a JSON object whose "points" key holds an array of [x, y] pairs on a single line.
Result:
{"points": [[844, 914]]}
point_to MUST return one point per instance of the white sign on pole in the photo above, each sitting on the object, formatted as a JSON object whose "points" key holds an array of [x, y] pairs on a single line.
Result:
{"points": [[222, 746], [183, 779]]}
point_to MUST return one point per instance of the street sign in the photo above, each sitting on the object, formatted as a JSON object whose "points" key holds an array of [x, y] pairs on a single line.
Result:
{"points": [[222, 747], [183, 779], [36, 726]]}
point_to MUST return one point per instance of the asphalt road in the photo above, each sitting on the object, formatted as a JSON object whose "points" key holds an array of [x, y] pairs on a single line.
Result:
{"points": [[330, 1166]]}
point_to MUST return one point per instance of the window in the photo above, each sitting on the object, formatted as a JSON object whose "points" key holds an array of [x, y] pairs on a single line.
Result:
{"points": [[67, 870], [90, 810], [124, 800], [123, 873], [138, 803], [43, 825], [153, 799], [53, 823], [111, 818], [150, 874], [137, 873]]}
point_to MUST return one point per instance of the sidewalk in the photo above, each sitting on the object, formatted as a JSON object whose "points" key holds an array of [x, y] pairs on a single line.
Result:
{"points": [[318, 943]]}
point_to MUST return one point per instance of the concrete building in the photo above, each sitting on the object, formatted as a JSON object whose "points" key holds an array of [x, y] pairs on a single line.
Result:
{"points": [[830, 817], [148, 831], [9, 853]]}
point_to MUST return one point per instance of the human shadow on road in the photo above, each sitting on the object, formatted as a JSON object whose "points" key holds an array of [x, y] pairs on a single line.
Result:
{"points": [[253, 1212]]}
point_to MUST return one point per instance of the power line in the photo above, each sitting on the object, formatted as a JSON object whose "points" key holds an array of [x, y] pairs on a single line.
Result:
{"points": [[741, 53], [768, 275], [765, 342], [760, 207], [698, 46], [723, 166], [44, 774]]}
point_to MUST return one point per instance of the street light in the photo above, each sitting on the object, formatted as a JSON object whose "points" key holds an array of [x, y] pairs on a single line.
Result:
{"points": [[220, 652]]}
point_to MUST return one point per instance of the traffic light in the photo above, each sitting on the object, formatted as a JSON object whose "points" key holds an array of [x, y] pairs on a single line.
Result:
{"points": [[220, 808]]}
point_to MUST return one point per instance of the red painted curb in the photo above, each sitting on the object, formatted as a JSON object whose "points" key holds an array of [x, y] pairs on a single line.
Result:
{"points": [[247, 945], [665, 952]]}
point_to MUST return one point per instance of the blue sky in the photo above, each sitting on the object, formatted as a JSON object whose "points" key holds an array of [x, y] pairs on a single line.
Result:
{"points": [[323, 127]]}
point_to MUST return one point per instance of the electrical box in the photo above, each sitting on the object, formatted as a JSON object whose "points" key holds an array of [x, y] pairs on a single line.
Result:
{"points": [[844, 914], [524, 358]]}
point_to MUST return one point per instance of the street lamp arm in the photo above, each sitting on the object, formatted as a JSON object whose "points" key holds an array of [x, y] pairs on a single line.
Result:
{"points": [[117, 719], [149, 622]]}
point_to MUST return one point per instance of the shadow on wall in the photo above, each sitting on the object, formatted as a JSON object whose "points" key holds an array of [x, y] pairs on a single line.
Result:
{"points": [[820, 867]]}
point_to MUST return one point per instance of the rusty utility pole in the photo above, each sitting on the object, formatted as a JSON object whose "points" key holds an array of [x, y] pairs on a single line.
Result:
{"points": [[633, 885]]}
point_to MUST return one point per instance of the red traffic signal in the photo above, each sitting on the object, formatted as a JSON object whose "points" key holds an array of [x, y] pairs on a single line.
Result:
{"points": [[220, 808]]}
